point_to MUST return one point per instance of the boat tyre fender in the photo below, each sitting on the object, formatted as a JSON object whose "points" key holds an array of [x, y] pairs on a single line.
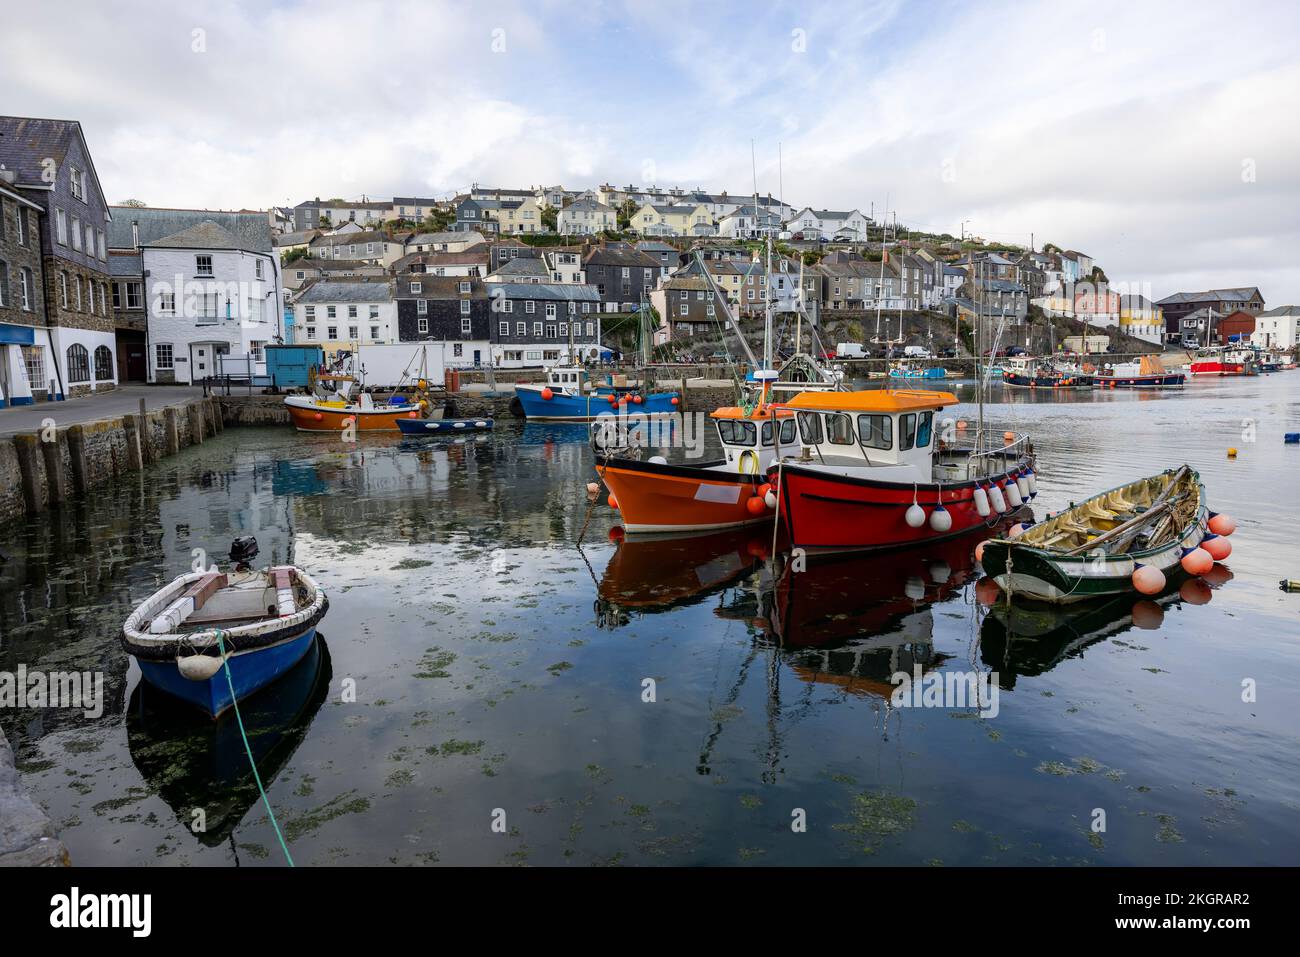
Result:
{"points": [[516, 408]]}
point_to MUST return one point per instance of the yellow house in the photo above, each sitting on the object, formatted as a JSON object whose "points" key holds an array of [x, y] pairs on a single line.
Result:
{"points": [[655, 220], [1139, 316], [524, 218]]}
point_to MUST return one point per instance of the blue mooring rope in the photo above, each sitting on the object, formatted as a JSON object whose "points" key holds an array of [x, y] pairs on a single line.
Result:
{"points": [[225, 662]]}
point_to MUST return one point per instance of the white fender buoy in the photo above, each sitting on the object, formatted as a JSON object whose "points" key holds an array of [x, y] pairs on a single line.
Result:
{"points": [[1033, 484], [996, 498], [915, 515], [1013, 495], [982, 501], [770, 499], [941, 519], [1022, 483], [658, 460], [198, 667]]}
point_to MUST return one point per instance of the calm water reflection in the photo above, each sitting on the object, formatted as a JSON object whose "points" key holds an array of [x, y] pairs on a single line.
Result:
{"points": [[498, 664]]}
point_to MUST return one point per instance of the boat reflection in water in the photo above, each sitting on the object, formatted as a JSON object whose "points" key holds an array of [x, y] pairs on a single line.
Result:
{"points": [[1024, 639], [652, 573], [195, 763]]}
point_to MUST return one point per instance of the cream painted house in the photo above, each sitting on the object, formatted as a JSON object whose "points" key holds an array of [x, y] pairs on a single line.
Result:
{"points": [[526, 217], [657, 220]]}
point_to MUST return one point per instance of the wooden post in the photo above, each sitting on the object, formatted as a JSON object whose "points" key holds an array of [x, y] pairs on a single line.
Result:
{"points": [[196, 423], [142, 430], [217, 415], [170, 432], [133, 459], [77, 457], [25, 446], [56, 487]]}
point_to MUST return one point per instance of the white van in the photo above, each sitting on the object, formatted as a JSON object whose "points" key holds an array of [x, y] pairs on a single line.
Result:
{"points": [[850, 350], [916, 352]]}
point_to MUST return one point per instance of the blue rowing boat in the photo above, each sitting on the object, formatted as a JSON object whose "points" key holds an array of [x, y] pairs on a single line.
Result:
{"points": [[442, 426], [211, 638]]}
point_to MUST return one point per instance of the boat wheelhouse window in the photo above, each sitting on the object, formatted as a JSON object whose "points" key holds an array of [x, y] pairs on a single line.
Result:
{"points": [[737, 433], [810, 428], [767, 432], [923, 432], [906, 431], [839, 429], [877, 431], [787, 431]]}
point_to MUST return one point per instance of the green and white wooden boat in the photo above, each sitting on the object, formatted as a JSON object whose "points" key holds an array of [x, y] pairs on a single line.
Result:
{"points": [[1094, 548]]}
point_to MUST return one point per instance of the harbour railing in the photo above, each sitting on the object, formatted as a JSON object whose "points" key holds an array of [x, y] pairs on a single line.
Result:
{"points": [[982, 445]]}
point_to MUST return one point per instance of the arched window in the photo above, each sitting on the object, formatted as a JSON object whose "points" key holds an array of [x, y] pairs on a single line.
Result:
{"points": [[78, 363], [103, 363]]}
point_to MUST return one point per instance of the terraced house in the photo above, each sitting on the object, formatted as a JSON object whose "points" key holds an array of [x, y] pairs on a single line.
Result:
{"points": [[533, 321], [48, 164], [621, 274], [208, 286], [452, 312], [23, 333]]}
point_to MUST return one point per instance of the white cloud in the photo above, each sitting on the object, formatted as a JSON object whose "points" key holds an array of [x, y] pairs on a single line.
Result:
{"points": [[1116, 128]]}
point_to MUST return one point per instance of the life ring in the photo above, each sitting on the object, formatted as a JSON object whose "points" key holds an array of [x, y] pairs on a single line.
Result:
{"points": [[752, 468]]}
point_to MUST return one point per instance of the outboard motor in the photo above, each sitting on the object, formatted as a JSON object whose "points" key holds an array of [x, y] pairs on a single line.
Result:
{"points": [[242, 551]]}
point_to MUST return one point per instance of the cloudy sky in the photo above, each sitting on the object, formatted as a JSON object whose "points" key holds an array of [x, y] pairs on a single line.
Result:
{"points": [[1162, 139]]}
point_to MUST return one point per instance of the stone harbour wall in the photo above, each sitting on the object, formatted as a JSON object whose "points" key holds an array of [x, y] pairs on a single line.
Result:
{"points": [[27, 837]]}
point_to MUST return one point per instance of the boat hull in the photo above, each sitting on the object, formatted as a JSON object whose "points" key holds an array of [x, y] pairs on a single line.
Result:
{"points": [[921, 374], [1167, 380], [309, 417], [442, 426], [655, 497], [827, 512], [563, 406], [1022, 381], [249, 672], [1218, 368]]}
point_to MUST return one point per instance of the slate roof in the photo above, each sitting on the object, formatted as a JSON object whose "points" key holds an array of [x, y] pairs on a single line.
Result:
{"points": [[546, 290], [295, 239], [352, 239], [327, 290], [421, 239], [25, 142], [522, 266], [1211, 295], [250, 228], [1282, 311], [620, 256], [125, 264], [204, 235], [440, 287]]}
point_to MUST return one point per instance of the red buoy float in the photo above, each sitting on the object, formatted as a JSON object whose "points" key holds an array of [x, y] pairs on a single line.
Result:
{"points": [[1148, 579], [613, 502], [756, 506], [1218, 547], [547, 394], [1197, 562], [1221, 524]]}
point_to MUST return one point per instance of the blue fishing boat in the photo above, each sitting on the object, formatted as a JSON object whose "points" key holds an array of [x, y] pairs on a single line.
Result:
{"points": [[569, 394], [258, 624], [906, 369], [442, 426]]}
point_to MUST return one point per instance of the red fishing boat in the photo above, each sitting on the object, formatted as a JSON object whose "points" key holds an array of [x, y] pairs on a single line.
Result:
{"points": [[1222, 361], [869, 472]]}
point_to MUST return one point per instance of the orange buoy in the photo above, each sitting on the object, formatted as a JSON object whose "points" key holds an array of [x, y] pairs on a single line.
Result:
{"points": [[1147, 614], [1197, 562], [613, 502], [1222, 524], [1148, 579], [636, 399], [674, 400], [763, 489], [412, 415], [613, 399], [979, 551], [756, 506], [1009, 436], [1018, 529], [1218, 547], [547, 394], [1195, 592], [318, 416]]}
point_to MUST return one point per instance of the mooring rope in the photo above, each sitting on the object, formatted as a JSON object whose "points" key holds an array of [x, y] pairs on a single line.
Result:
{"points": [[248, 749]]}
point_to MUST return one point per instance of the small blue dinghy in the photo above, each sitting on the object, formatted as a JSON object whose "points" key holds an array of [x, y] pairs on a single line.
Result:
{"points": [[258, 623], [442, 426]]}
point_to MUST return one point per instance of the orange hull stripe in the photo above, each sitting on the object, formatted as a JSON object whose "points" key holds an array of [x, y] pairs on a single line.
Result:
{"points": [[331, 421], [670, 500]]}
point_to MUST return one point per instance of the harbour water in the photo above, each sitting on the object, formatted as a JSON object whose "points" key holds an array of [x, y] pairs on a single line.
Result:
{"points": [[490, 649]]}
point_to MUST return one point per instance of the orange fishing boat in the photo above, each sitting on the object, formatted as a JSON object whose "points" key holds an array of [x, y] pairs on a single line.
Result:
{"points": [[655, 496], [337, 410]]}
